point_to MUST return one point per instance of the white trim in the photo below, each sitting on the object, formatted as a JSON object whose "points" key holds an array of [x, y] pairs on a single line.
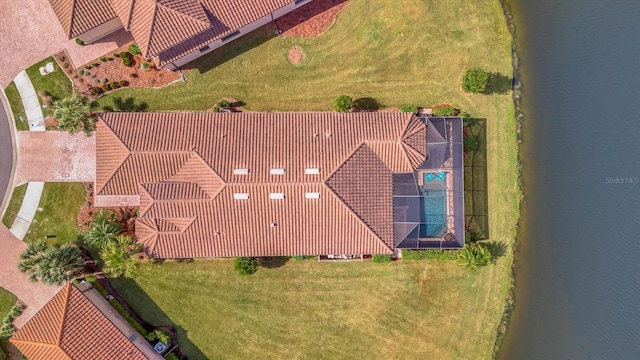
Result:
{"points": [[312, 195], [312, 171], [241, 196], [276, 196]]}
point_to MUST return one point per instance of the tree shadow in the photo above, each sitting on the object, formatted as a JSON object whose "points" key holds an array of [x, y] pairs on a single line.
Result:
{"points": [[498, 84], [366, 104], [233, 49], [146, 308], [126, 105], [476, 199], [274, 262], [496, 248]]}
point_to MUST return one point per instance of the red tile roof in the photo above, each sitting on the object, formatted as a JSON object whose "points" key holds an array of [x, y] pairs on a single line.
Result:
{"points": [[80, 16], [71, 327], [182, 166]]}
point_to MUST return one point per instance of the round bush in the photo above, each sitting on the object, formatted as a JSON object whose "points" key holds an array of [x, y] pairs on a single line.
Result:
{"points": [[134, 49], [475, 80], [245, 265], [343, 103]]}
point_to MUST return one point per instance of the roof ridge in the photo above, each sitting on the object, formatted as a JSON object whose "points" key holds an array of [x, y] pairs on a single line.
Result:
{"points": [[67, 295], [412, 127], [124, 159], [173, 9], [71, 19], [413, 155]]}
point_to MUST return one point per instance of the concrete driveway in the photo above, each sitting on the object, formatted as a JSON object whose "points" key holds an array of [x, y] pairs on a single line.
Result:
{"points": [[30, 32]]}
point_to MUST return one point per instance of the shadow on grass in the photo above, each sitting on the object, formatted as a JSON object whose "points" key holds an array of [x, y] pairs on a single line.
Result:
{"points": [[233, 49], [148, 310], [497, 249], [125, 105], [498, 84], [366, 104], [476, 200], [274, 262]]}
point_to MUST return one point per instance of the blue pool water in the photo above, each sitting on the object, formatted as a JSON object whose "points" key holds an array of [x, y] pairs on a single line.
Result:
{"points": [[432, 214]]}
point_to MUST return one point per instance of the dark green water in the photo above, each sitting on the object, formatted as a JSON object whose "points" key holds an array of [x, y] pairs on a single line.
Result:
{"points": [[578, 264]]}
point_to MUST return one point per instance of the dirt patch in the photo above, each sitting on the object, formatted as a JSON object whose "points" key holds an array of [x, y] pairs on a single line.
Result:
{"points": [[295, 55], [126, 216], [108, 73], [312, 19]]}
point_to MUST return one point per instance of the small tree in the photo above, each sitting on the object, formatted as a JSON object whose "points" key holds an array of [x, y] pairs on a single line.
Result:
{"points": [[245, 265], [343, 103], [160, 335], [475, 80], [117, 257], [74, 114], [51, 265], [103, 230], [474, 256]]}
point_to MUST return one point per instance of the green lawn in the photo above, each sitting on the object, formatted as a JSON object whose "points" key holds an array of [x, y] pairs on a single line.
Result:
{"points": [[60, 204], [56, 84], [14, 205], [16, 107], [7, 300], [396, 53]]}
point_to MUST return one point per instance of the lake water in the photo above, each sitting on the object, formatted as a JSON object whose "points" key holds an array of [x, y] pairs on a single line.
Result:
{"points": [[578, 263]]}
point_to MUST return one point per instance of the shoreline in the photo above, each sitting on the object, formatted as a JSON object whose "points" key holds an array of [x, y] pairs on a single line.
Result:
{"points": [[518, 117]]}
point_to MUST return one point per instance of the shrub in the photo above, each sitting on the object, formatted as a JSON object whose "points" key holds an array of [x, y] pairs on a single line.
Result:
{"points": [[126, 58], [115, 85], [96, 64], [134, 49], [65, 65], [96, 90], [343, 103], [133, 75], [470, 143], [79, 42], [171, 356], [445, 110], [159, 335], [474, 256], [144, 65], [216, 109], [103, 59], [245, 265], [298, 258], [124, 83], [381, 258], [105, 80], [475, 80], [224, 104], [106, 87], [430, 254], [409, 108], [88, 67], [81, 72], [127, 316]]}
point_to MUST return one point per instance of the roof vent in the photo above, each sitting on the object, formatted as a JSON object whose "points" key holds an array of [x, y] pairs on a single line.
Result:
{"points": [[312, 195], [312, 171], [241, 171], [328, 135], [241, 196], [276, 171], [276, 196], [273, 224]]}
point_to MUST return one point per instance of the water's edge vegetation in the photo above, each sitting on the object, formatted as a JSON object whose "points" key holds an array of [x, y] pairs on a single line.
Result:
{"points": [[518, 116]]}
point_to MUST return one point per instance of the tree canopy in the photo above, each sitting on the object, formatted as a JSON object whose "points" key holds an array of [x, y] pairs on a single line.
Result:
{"points": [[74, 114]]}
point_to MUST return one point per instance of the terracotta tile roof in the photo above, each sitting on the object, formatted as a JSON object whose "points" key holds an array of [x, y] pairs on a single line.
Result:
{"points": [[71, 327], [80, 16], [123, 8], [192, 170]]}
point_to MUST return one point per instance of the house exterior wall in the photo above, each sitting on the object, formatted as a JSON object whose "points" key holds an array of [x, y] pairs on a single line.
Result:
{"points": [[243, 31], [101, 31]]}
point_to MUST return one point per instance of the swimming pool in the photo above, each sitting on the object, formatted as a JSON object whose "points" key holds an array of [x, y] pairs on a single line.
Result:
{"points": [[433, 214]]}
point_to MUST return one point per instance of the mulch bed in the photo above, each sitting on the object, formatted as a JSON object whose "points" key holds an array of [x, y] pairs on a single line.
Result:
{"points": [[109, 69], [312, 19], [126, 216]]}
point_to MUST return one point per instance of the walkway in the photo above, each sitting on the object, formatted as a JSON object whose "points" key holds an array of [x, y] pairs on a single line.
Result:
{"points": [[33, 295], [30, 102], [30, 32]]}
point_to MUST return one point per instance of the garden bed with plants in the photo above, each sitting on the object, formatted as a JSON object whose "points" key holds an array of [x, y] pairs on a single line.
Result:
{"points": [[125, 67]]}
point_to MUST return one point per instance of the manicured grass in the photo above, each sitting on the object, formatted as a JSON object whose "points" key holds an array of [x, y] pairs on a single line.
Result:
{"points": [[14, 205], [7, 300], [56, 84], [16, 106], [60, 204], [396, 53]]}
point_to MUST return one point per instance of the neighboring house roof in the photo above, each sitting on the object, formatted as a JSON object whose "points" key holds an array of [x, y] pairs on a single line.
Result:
{"points": [[69, 326], [187, 169], [80, 16]]}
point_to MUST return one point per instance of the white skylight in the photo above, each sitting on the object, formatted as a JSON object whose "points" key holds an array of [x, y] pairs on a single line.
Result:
{"points": [[277, 171], [241, 171], [276, 196], [241, 196], [312, 195], [312, 171]]}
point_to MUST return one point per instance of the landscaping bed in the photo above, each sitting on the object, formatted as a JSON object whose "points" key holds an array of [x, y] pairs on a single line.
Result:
{"points": [[126, 216], [109, 73], [312, 19]]}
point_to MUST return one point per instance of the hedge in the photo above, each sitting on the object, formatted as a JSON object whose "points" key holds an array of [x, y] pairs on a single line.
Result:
{"points": [[429, 254]]}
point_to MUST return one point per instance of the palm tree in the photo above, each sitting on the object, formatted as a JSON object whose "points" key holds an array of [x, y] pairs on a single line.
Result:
{"points": [[103, 230], [51, 265], [474, 256], [74, 114], [117, 257]]}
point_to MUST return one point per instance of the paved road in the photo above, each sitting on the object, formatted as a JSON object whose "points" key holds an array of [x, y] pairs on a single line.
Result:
{"points": [[6, 152]]}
